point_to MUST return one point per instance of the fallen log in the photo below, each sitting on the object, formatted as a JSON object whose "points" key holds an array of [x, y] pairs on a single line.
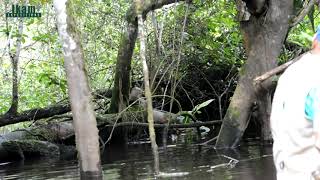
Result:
{"points": [[34, 114], [22, 143], [19, 143], [22, 149], [40, 113]]}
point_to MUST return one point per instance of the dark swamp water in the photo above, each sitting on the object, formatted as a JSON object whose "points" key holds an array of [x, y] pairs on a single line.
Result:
{"points": [[135, 162]]}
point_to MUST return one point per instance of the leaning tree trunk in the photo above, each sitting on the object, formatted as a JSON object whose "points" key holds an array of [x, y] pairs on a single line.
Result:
{"points": [[84, 120], [264, 29], [121, 89]]}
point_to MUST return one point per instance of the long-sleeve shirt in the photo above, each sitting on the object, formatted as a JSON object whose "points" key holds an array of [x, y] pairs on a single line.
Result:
{"points": [[294, 131]]}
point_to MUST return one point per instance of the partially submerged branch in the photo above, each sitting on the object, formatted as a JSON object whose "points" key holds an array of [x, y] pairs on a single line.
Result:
{"points": [[157, 125]]}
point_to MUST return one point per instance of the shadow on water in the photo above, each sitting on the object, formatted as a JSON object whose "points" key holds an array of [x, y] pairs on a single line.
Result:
{"points": [[135, 162]]}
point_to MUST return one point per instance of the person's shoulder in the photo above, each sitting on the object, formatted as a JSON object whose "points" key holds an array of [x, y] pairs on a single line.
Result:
{"points": [[295, 68], [308, 61], [307, 65]]}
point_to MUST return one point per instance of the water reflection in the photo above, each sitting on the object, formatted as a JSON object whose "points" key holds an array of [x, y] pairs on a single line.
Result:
{"points": [[135, 162]]}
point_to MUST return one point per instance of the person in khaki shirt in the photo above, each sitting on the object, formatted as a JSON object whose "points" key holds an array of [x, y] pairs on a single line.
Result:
{"points": [[295, 118]]}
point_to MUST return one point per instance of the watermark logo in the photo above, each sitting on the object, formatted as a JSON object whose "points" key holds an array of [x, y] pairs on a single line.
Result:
{"points": [[23, 11]]}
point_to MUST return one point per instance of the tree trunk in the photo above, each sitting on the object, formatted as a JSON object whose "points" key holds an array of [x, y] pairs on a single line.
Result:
{"points": [[15, 61], [152, 133], [263, 33], [84, 120], [121, 89]]}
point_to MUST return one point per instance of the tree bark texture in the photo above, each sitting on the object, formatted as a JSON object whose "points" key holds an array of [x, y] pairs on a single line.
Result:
{"points": [[15, 61], [263, 36], [121, 89], [51, 133], [84, 120], [152, 133]]}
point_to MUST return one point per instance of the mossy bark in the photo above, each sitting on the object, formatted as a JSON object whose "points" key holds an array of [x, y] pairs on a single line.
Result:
{"points": [[121, 87], [51, 133], [24, 148], [84, 120], [263, 36]]}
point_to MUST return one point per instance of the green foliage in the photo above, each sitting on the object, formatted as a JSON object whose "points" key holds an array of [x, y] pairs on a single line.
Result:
{"points": [[217, 42], [42, 80], [300, 37], [48, 79], [197, 108], [211, 43]]}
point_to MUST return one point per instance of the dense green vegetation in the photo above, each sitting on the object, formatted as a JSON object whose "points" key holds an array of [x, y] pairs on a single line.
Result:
{"points": [[194, 49]]}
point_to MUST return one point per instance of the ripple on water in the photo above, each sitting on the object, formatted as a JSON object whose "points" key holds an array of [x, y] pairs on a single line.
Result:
{"points": [[182, 161]]}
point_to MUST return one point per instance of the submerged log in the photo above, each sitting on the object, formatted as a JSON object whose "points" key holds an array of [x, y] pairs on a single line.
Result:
{"points": [[19, 143], [21, 149]]}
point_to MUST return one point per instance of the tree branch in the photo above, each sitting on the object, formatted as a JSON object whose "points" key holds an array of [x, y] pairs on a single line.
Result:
{"points": [[148, 5], [305, 10], [279, 69], [34, 114], [40, 113]]}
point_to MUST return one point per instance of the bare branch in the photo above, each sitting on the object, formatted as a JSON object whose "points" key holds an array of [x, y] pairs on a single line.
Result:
{"points": [[279, 69], [305, 10]]}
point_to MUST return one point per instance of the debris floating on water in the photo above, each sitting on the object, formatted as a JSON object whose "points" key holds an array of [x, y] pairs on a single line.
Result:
{"points": [[175, 174]]}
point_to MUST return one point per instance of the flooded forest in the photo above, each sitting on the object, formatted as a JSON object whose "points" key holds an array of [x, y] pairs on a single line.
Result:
{"points": [[144, 89]]}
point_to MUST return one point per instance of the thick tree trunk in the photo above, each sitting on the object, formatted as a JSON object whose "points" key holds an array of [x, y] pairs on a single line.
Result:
{"points": [[263, 35], [121, 89], [84, 120]]}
